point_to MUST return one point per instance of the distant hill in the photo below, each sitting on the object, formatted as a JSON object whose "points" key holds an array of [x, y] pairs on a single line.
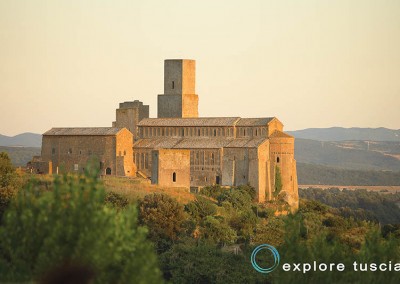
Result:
{"points": [[324, 175], [357, 155], [20, 155], [24, 139], [341, 134]]}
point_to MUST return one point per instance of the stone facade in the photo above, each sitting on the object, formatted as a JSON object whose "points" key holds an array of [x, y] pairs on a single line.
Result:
{"points": [[170, 168], [179, 98], [129, 114], [71, 149]]}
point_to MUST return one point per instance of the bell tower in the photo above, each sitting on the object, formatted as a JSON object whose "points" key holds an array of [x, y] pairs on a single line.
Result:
{"points": [[179, 99]]}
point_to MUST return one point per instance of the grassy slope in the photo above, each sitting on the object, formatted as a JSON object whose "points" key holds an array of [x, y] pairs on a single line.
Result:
{"points": [[137, 188]]}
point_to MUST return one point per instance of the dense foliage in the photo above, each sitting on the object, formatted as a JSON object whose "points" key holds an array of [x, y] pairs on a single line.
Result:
{"points": [[164, 216], [320, 174], [8, 182], [70, 225], [20, 156], [359, 204]]}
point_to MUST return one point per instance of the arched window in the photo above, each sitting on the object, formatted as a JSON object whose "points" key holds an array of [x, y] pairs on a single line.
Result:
{"points": [[174, 177], [277, 159]]}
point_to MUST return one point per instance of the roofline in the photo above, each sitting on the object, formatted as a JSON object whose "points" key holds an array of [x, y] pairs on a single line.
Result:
{"points": [[44, 134], [274, 118]]}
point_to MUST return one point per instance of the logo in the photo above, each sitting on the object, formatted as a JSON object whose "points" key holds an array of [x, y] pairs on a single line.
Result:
{"points": [[272, 250]]}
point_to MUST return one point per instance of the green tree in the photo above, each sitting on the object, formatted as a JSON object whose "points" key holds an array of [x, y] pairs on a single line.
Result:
{"points": [[7, 182], [239, 198], [193, 262], [200, 208], [164, 216], [218, 231], [7, 171], [278, 181], [43, 230]]}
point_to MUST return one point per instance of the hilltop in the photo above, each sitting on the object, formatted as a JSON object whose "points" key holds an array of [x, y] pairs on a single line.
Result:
{"points": [[23, 140], [353, 133]]}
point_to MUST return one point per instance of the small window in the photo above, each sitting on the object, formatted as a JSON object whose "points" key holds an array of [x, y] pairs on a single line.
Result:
{"points": [[198, 132], [124, 153], [69, 151], [80, 152], [173, 84], [76, 167], [215, 132], [174, 177], [205, 178], [277, 159]]}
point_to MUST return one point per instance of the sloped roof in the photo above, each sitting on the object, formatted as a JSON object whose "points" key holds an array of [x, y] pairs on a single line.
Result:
{"points": [[205, 121], [278, 133], [157, 143], [82, 131], [201, 121], [246, 142], [262, 121], [198, 143]]}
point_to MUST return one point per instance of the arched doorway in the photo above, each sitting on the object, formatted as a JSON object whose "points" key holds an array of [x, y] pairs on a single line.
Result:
{"points": [[108, 171]]}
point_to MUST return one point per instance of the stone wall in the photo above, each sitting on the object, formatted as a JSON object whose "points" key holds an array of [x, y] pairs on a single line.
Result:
{"points": [[71, 154], [129, 114], [282, 156], [169, 106], [171, 168]]}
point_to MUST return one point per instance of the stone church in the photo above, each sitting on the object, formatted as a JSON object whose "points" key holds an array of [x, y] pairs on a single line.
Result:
{"points": [[179, 148]]}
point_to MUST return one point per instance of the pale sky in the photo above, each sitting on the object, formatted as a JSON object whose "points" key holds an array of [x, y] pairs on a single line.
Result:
{"points": [[311, 63]]}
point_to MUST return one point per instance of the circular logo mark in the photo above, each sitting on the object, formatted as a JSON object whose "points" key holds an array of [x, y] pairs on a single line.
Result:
{"points": [[275, 254]]}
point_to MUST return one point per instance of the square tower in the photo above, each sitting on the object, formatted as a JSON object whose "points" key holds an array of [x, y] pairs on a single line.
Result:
{"points": [[179, 98]]}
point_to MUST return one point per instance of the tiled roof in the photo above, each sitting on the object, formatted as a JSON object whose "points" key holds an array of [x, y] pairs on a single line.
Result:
{"points": [[263, 121], [157, 143], [205, 121], [278, 133], [246, 142], [184, 122], [198, 143], [84, 131]]}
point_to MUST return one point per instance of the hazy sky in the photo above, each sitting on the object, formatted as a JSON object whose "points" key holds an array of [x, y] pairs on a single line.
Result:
{"points": [[309, 63]]}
